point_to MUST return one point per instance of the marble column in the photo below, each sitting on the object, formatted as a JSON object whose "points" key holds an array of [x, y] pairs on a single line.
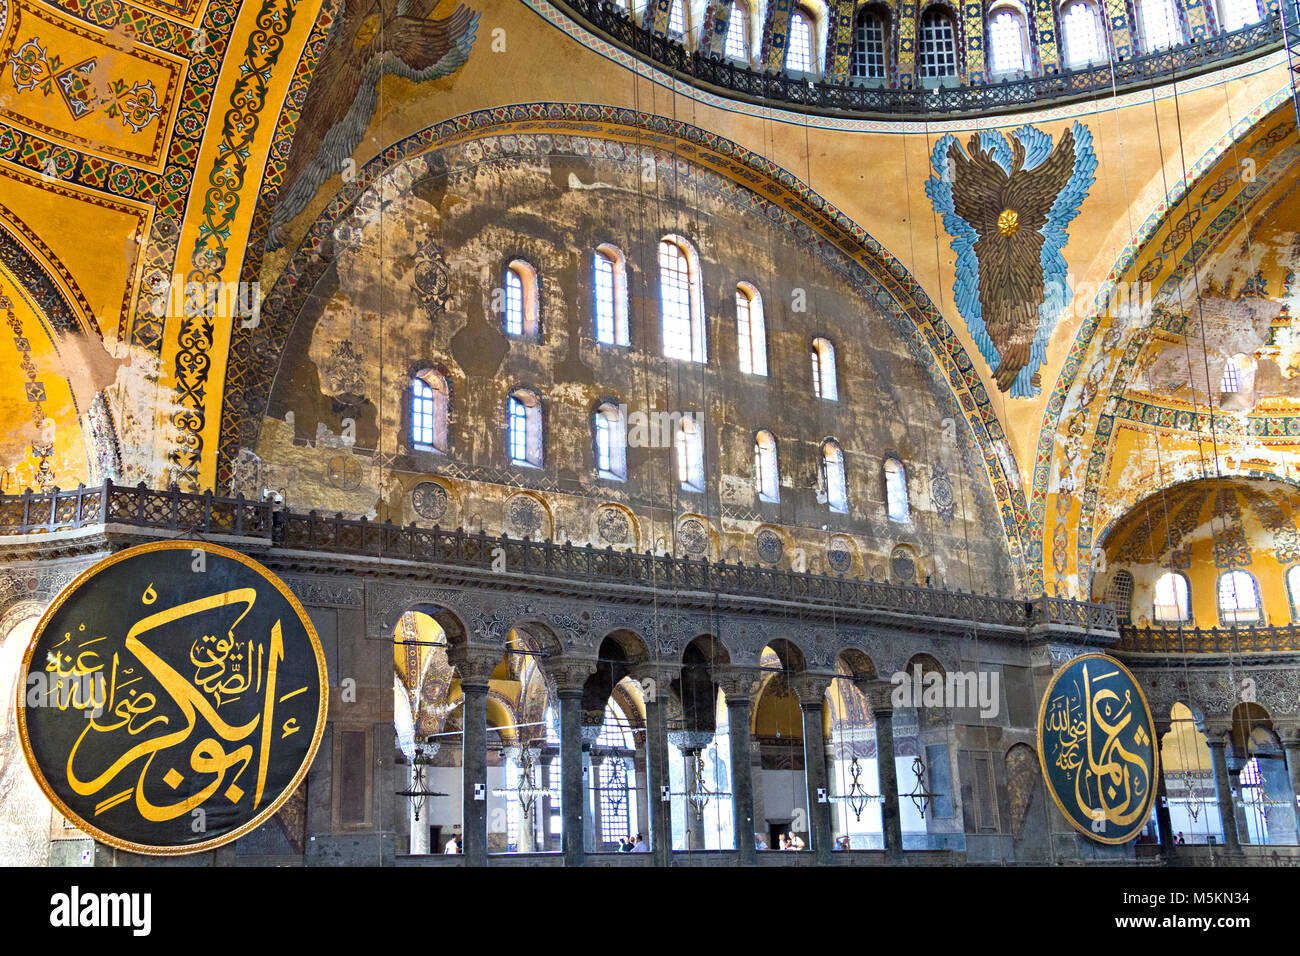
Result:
{"points": [[474, 665], [1291, 748], [811, 689], [1223, 788], [880, 693], [660, 810], [1163, 822], [738, 684], [570, 677], [591, 831]]}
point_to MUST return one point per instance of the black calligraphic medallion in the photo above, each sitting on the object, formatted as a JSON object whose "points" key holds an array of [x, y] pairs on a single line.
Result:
{"points": [[172, 697], [1098, 748]]}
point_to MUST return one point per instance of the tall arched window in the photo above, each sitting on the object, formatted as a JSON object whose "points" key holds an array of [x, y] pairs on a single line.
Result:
{"points": [[1236, 14], [766, 478], [1159, 22], [1293, 590], [837, 497], [690, 453], [938, 48], [521, 298], [823, 370], [677, 20], [430, 404], [611, 441], [751, 332], [1120, 596], [1173, 599], [1081, 26], [868, 56], [1008, 41], [1239, 599], [896, 490], [737, 45], [799, 56], [680, 302], [524, 427], [609, 271]]}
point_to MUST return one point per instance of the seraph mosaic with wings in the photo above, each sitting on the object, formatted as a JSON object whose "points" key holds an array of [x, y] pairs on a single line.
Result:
{"points": [[1006, 202]]}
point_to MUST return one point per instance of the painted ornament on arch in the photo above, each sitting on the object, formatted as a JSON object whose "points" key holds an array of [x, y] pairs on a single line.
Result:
{"points": [[1007, 201]]}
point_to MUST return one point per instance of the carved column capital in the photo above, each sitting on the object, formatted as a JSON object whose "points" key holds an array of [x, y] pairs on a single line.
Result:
{"points": [[811, 688], [568, 674], [474, 665], [739, 684], [880, 695]]}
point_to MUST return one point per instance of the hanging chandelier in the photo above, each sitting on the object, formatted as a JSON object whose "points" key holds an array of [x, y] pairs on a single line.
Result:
{"points": [[419, 793], [857, 796]]}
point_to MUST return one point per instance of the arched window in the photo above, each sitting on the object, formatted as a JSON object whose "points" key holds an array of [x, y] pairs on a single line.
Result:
{"points": [[521, 298], [430, 405], [868, 57], [690, 453], [1120, 596], [823, 370], [1172, 600], [1008, 41], [677, 20], [938, 48], [609, 271], [1159, 22], [1081, 26], [611, 441], [524, 427], [1293, 590], [799, 56], [896, 490], [837, 497], [1236, 14], [737, 45], [680, 302], [766, 478], [751, 332], [1239, 599]]}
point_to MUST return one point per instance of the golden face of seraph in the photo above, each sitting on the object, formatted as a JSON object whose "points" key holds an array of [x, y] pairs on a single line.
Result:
{"points": [[366, 32], [1008, 222], [172, 698]]}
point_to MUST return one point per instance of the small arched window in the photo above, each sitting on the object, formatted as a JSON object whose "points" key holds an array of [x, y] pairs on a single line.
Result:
{"points": [[610, 427], [1008, 41], [680, 302], [1120, 596], [799, 56], [896, 491], [1081, 25], [938, 47], [823, 370], [737, 45], [751, 331], [837, 497], [521, 298], [766, 478], [677, 20], [868, 56], [1159, 22], [1173, 602], [1239, 599], [690, 453], [430, 407], [609, 272], [1237, 14], [1293, 590], [524, 427]]}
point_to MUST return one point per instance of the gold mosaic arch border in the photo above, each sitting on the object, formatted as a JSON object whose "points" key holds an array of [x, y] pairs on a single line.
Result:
{"points": [[1145, 816], [20, 709], [256, 353]]}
